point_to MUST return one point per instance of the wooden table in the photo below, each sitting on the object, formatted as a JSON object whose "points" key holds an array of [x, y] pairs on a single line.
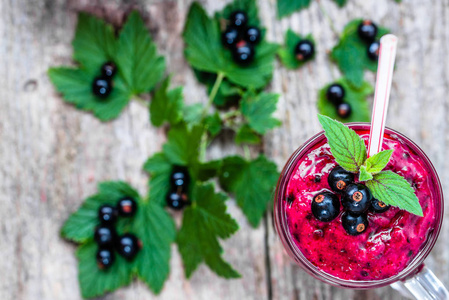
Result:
{"points": [[52, 155]]}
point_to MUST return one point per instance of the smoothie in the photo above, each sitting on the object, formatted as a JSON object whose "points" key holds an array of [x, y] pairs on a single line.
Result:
{"points": [[392, 238]]}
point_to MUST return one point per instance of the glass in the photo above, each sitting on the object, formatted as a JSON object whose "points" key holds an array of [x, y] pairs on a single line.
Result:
{"points": [[415, 279]]}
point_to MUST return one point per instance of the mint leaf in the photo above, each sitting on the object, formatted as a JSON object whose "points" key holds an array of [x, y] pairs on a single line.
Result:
{"points": [[355, 97], [251, 182], [340, 3], [182, 147], [287, 7], [287, 53], [350, 53], [393, 189], [378, 162], [166, 105], [257, 109], [137, 57], [364, 174], [159, 168], [346, 146], [203, 223], [246, 135]]}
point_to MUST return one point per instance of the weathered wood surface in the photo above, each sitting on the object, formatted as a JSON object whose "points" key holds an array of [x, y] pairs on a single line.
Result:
{"points": [[52, 156]]}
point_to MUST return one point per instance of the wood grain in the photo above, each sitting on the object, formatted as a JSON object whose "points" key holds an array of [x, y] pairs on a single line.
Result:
{"points": [[52, 156]]}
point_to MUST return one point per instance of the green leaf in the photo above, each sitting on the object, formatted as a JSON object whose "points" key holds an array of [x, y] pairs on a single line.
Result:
{"points": [[258, 109], [182, 147], [340, 3], [246, 135], [193, 114], [350, 53], [287, 53], [137, 57], [206, 171], [355, 97], [203, 223], [346, 146], [166, 105], [156, 230], [213, 124], [287, 7], [378, 162], [252, 183], [393, 189], [80, 226], [205, 52], [364, 174], [159, 168]]}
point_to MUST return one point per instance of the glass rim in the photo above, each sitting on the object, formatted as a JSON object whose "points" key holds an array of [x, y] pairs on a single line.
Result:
{"points": [[293, 250]]}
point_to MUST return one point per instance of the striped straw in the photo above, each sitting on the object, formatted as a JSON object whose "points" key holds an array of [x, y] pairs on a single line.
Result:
{"points": [[387, 54]]}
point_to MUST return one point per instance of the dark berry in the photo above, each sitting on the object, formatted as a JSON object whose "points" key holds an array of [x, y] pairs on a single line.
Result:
{"points": [[105, 258], [378, 206], [180, 177], [325, 206], [344, 110], [304, 50], [176, 200], [373, 51], [105, 235], [238, 19], [101, 87], [107, 214], [252, 35], [108, 69], [339, 179], [354, 224], [128, 246], [127, 207], [230, 37], [243, 53], [367, 31], [357, 198], [335, 94]]}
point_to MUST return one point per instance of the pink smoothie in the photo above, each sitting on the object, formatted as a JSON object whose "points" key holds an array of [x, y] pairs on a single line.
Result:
{"points": [[392, 239]]}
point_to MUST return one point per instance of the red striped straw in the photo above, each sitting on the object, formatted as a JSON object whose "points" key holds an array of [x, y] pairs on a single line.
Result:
{"points": [[387, 54]]}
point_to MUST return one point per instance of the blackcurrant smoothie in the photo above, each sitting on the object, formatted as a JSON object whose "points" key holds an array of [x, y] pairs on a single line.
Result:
{"points": [[392, 239]]}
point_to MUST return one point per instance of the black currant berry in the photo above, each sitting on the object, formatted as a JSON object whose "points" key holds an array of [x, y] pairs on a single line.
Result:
{"points": [[252, 35], [105, 258], [176, 200], [230, 37], [243, 53], [127, 207], [378, 206], [180, 177], [107, 214], [357, 198], [339, 179], [354, 224], [373, 51], [325, 206], [238, 19], [344, 110], [367, 31], [335, 94], [105, 235], [304, 50], [101, 87], [128, 246], [108, 69]]}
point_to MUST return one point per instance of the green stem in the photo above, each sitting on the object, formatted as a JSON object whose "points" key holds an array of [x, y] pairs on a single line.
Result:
{"points": [[203, 146], [213, 93], [326, 15], [142, 101], [247, 152]]}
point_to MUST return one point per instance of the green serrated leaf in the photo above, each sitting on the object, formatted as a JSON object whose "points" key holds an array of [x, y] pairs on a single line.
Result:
{"points": [[350, 53], [258, 109], [393, 189], [182, 147], [246, 135], [203, 223], [287, 53], [340, 3], [364, 174], [355, 97], [287, 7], [137, 57], [159, 168], [378, 162], [346, 146], [252, 183], [166, 105], [213, 124]]}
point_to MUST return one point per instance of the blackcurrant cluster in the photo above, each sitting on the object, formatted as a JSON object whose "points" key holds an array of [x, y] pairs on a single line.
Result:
{"points": [[241, 38], [179, 183], [367, 32], [102, 85], [304, 50], [335, 94], [106, 237], [356, 200]]}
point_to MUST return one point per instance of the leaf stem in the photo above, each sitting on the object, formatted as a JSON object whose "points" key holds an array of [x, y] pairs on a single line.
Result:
{"points": [[213, 92], [326, 15], [142, 101], [247, 152]]}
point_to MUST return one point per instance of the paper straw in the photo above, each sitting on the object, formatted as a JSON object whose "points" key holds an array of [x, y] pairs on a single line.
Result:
{"points": [[387, 54]]}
